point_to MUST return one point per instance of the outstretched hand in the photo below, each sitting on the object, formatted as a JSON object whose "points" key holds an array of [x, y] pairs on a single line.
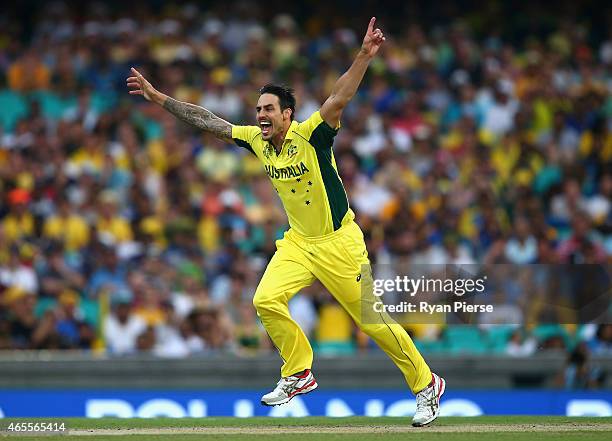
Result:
{"points": [[373, 39], [140, 86]]}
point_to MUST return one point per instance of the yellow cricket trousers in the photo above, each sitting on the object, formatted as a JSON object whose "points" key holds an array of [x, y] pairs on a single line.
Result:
{"points": [[336, 260]]}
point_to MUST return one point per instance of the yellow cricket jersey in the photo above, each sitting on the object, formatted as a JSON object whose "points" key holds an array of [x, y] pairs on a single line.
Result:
{"points": [[304, 174]]}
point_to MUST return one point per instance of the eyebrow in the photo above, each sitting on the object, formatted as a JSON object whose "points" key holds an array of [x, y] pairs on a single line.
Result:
{"points": [[267, 106]]}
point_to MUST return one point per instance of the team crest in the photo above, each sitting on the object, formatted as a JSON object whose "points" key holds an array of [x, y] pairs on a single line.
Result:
{"points": [[268, 150], [292, 151]]}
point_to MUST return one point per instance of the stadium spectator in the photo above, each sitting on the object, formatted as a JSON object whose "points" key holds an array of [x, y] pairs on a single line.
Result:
{"points": [[522, 247], [25, 330], [580, 372], [56, 275], [123, 329], [601, 342], [72, 330], [18, 271], [67, 226], [520, 345]]}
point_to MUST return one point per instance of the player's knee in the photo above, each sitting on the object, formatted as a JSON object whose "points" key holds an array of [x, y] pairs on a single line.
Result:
{"points": [[261, 302], [257, 301], [266, 303]]}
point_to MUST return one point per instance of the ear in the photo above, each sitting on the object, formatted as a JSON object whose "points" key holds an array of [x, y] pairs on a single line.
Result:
{"points": [[287, 113]]}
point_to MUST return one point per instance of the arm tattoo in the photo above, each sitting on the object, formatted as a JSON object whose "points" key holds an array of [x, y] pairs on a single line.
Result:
{"points": [[199, 117]]}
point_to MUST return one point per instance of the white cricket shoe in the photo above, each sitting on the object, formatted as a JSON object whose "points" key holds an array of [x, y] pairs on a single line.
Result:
{"points": [[428, 402], [289, 387]]}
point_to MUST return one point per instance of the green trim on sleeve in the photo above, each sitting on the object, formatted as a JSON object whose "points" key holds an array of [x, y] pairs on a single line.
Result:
{"points": [[244, 144], [243, 136], [322, 137]]}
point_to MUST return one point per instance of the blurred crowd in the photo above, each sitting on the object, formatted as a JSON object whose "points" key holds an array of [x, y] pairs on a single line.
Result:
{"points": [[123, 230]]}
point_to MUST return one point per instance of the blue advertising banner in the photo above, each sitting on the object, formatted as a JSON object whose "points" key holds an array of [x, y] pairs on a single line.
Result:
{"points": [[334, 403]]}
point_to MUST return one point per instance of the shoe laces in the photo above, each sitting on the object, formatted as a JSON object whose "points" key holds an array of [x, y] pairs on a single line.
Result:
{"points": [[426, 399], [286, 384]]}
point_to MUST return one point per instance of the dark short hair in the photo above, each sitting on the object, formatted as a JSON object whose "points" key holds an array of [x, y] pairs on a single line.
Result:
{"points": [[286, 96]]}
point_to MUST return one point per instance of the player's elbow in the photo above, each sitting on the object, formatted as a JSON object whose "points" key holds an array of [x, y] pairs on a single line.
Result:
{"points": [[339, 101], [332, 109]]}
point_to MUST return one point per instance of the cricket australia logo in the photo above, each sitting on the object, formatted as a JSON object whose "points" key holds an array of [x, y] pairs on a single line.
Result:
{"points": [[268, 150], [292, 151]]}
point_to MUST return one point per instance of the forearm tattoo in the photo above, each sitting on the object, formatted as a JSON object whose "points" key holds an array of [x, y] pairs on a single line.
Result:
{"points": [[199, 117]]}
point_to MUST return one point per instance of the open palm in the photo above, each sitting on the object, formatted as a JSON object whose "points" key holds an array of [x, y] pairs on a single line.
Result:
{"points": [[139, 85]]}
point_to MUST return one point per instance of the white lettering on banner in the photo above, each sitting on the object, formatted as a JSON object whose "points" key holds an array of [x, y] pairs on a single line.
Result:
{"points": [[334, 407], [294, 408], [597, 408], [374, 408], [401, 408], [338, 408], [460, 407], [243, 409], [159, 407], [1, 413], [100, 408], [453, 407], [197, 409]]}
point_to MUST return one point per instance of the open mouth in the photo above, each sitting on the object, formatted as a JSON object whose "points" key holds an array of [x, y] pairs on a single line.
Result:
{"points": [[266, 127]]}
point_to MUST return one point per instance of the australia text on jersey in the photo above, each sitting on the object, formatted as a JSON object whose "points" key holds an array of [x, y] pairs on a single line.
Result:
{"points": [[291, 171]]}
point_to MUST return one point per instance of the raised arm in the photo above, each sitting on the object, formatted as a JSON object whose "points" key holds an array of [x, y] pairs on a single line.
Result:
{"points": [[190, 113], [347, 84]]}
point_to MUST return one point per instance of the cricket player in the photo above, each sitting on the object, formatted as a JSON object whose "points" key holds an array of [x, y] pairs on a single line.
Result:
{"points": [[323, 241]]}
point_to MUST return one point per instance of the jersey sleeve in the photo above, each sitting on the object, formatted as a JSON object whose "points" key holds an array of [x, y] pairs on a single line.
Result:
{"points": [[243, 136], [318, 132]]}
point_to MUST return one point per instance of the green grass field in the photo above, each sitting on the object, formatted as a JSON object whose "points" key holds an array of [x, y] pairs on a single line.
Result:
{"points": [[516, 428]]}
